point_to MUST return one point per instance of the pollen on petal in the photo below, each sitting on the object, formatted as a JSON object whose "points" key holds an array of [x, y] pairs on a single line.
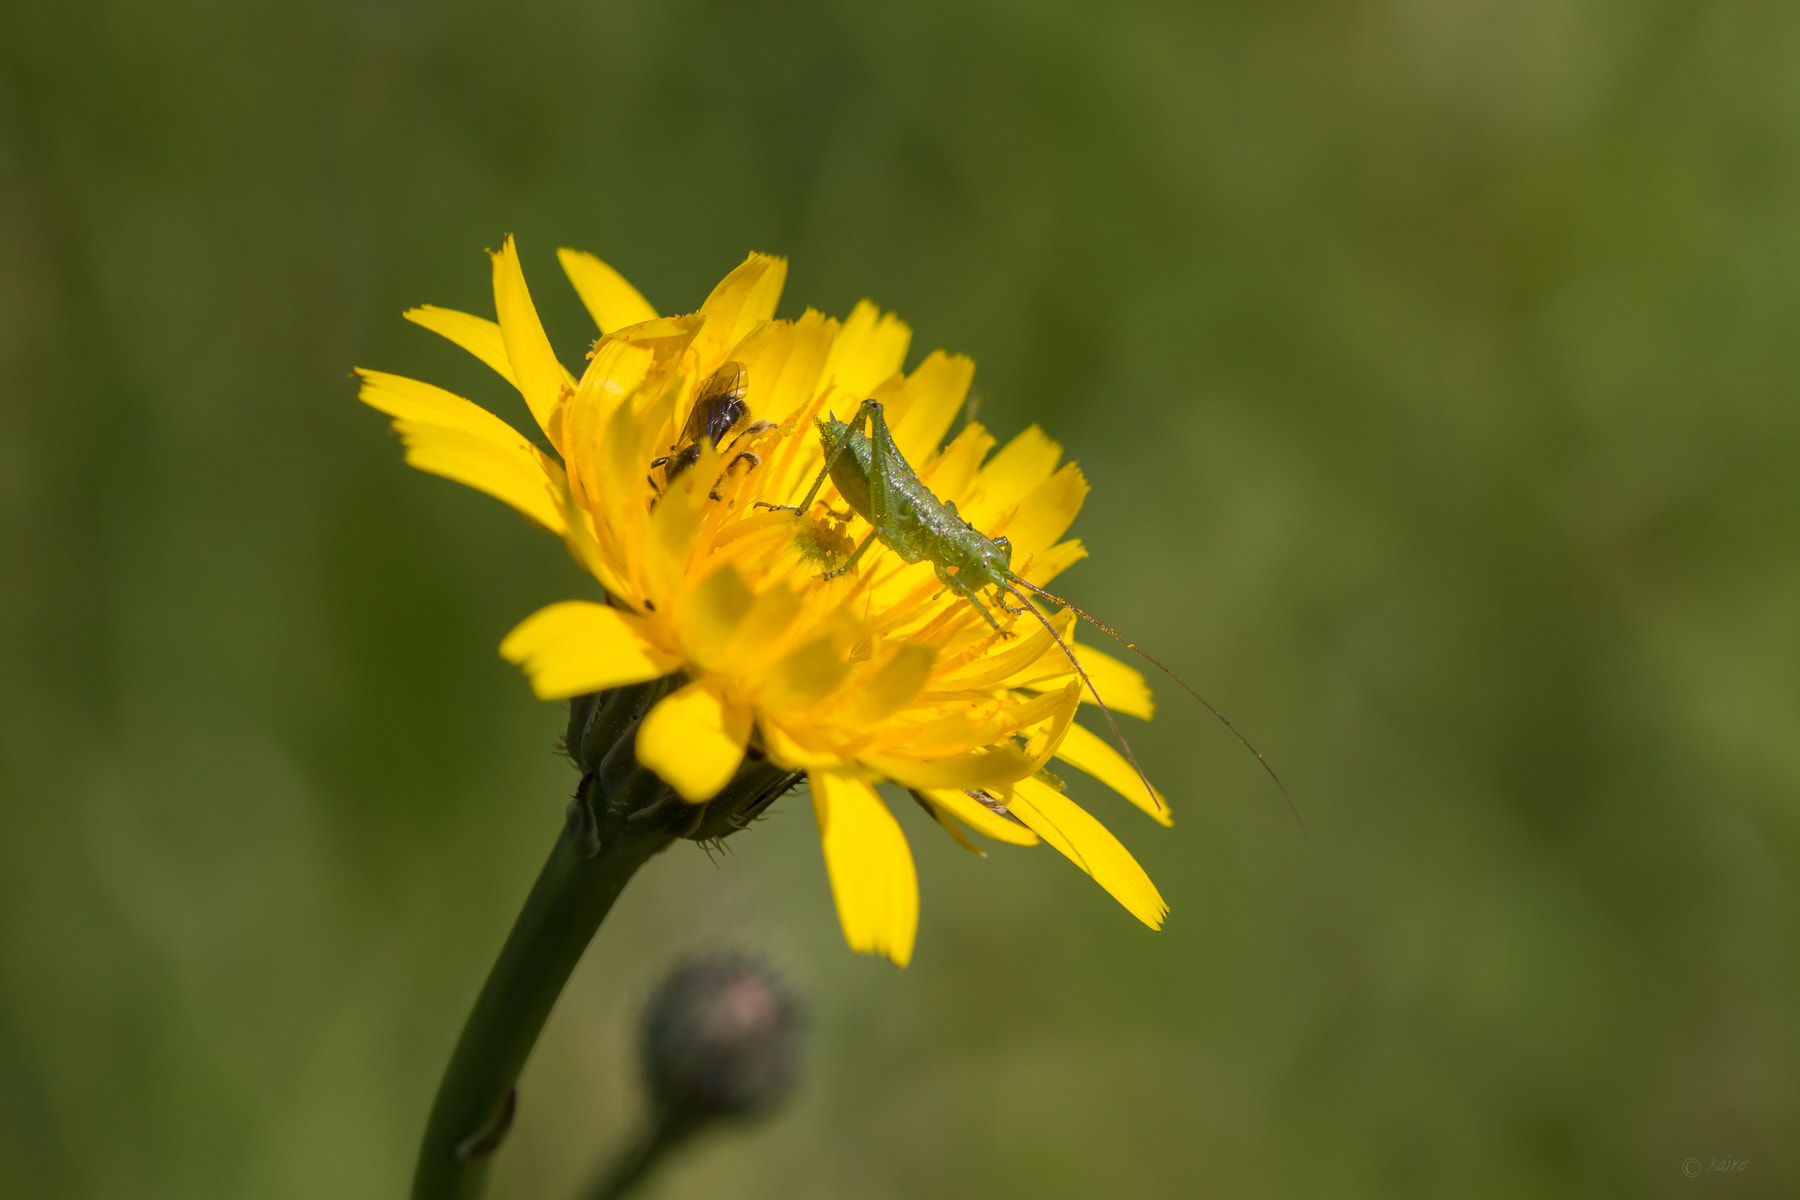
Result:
{"points": [[694, 740], [577, 646], [1086, 843], [870, 865]]}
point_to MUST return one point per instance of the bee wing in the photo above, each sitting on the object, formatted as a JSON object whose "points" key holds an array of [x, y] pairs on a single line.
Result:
{"points": [[718, 404]]}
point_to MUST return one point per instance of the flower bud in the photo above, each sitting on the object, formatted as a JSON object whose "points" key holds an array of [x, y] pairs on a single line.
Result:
{"points": [[721, 1039], [602, 737]]}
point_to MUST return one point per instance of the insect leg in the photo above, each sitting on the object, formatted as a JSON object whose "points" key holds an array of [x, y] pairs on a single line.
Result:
{"points": [[882, 471], [1016, 581], [812, 492], [968, 593], [753, 428], [1092, 690], [851, 561], [1000, 599]]}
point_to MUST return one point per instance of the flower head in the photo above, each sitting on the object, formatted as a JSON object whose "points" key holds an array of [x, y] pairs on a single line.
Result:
{"points": [[675, 431]]}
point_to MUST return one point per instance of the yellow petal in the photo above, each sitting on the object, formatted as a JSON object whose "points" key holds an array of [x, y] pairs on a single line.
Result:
{"points": [[446, 435], [981, 818], [512, 474], [1050, 734], [1086, 751], [1008, 658], [1042, 567], [624, 362], [995, 768], [710, 614], [870, 347], [1009, 477], [782, 362], [478, 335], [612, 302], [1086, 842], [893, 685], [694, 740], [950, 473], [1122, 687], [870, 865], [541, 379], [947, 823], [758, 639], [935, 392], [577, 646], [806, 675], [1058, 708], [1047, 512], [408, 399], [791, 752], [742, 301]]}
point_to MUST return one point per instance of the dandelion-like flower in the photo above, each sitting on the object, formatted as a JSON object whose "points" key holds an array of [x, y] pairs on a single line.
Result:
{"points": [[877, 674]]}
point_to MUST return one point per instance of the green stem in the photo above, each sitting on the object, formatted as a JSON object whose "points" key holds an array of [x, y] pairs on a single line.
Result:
{"points": [[639, 1159], [572, 896]]}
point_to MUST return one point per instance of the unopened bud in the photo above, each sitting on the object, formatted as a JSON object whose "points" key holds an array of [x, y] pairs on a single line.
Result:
{"points": [[721, 1039]]}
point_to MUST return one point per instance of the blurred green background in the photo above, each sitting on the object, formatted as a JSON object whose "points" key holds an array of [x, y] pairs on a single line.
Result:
{"points": [[1435, 366]]}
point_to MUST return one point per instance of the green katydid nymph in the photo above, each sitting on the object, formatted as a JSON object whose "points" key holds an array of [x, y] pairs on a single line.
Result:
{"points": [[880, 486]]}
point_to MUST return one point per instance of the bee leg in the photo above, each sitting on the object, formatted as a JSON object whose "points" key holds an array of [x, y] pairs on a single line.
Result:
{"points": [[755, 427]]}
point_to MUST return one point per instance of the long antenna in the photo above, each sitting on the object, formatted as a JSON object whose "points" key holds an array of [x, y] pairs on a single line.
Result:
{"points": [[1028, 606], [1131, 645]]}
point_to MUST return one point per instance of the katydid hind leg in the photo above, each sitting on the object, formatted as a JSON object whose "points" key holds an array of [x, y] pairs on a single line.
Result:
{"points": [[882, 471]]}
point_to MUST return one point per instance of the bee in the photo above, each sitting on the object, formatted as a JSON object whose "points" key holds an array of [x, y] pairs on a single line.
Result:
{"points": [[719, 409]]}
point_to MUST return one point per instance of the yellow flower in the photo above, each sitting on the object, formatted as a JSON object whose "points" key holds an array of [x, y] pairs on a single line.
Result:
{"points": [[877, 675]]}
